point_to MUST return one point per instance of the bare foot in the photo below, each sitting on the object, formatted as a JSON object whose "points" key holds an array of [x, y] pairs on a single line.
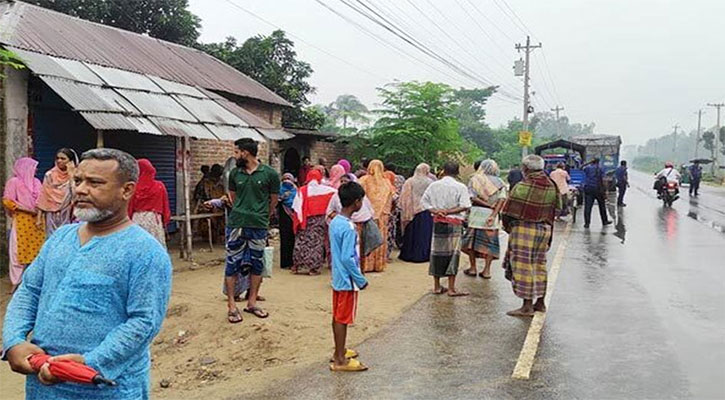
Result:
{"points": [[540, 306], [455, 293], [439, 291], [521, 312]]}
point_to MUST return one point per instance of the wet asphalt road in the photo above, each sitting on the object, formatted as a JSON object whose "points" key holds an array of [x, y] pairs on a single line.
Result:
{"points": [[637, 313]]}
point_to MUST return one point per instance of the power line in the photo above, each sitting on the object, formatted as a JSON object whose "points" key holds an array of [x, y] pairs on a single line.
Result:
{"points": [[445, 17], [393, 14], [385, 42], [235, 5], [384, 23], [490, 21]]}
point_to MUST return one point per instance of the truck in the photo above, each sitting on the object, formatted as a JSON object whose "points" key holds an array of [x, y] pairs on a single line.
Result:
{"points": [[579, 151]]}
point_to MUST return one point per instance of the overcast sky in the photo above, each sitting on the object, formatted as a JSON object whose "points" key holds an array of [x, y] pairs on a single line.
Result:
{"points": [[634, 67]]}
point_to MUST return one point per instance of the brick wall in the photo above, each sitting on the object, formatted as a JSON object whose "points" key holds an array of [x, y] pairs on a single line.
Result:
{"points": [[209, 152], [332, 152]]}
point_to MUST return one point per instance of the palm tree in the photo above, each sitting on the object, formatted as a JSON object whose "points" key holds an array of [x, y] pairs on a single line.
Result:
{"points": [[348, 107]]}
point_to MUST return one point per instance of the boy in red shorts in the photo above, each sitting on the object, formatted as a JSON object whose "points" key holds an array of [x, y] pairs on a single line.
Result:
{"points": [[347, 279]]}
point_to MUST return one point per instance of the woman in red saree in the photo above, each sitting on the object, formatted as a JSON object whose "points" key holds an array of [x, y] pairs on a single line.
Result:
{"points": [[149, 207]]}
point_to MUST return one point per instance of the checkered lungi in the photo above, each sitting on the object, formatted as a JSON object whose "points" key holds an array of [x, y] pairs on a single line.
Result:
{"points": [[445, 249], [525, 260]]}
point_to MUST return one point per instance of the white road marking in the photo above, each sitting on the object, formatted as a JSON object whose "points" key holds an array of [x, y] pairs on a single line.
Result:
{"points": [[531, 344]]}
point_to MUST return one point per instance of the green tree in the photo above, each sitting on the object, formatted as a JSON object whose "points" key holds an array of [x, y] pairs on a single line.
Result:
{"points": [[347, 107], [470, 112], [272, 61], [417, 124], [163, 19]]}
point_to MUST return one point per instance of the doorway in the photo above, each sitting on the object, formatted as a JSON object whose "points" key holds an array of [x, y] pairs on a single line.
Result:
{"points": [[292, 162]]}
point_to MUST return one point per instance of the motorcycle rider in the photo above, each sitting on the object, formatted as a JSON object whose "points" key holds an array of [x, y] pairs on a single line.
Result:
{"points": [[667, 175]]}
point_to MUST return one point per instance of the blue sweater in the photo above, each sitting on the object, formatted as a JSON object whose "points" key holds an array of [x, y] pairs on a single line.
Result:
{"points": [[105, 300], [345, 251]]}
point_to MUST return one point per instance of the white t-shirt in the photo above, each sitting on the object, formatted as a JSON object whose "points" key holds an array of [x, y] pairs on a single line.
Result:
{"points": [[671, 174]]}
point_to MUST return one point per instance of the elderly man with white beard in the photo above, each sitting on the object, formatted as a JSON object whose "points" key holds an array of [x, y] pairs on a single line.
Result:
{"points": [[96, 294]]}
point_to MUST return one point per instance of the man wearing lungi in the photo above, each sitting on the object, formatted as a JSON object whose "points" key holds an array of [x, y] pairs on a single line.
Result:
{"points": [[448, 201], [528, 217]]}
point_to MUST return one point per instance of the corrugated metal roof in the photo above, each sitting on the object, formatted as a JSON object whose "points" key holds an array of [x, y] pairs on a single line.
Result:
{"points": [[82, 97], [207, 110], [68, 69], [226, 132], [37, 29], [123, 79], [157, 105], [275, 134], [120, 100]]}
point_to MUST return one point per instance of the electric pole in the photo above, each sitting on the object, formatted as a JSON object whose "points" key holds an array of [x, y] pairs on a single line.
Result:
{"points": [[527, 49], [699, 126], [558, 124], [715, 146], [674, 144]]}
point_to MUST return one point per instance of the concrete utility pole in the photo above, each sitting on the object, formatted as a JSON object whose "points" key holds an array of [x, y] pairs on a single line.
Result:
{"points": [[527, 49], [715, 145], [674, 144], [558, 124], [699, 126]]}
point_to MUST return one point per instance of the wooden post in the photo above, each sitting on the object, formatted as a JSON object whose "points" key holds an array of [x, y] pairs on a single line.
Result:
{"points": [[187, 200], [99, 139]]}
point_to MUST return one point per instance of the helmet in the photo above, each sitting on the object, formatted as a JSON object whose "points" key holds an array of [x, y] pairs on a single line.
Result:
{"points": [[669, 164]]}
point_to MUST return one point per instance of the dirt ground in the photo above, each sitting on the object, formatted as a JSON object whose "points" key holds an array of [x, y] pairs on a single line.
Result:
{"points": [[201, 356]]}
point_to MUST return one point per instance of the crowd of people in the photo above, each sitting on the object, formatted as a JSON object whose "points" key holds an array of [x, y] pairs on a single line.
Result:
{"points": [[329, 217]]}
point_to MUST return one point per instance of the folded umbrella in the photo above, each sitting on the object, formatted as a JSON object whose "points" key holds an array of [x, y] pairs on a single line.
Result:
{"points": [[70, 371]]}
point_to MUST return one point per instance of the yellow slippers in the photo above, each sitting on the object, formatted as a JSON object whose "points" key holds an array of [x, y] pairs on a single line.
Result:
{"points": [[352, 365]]}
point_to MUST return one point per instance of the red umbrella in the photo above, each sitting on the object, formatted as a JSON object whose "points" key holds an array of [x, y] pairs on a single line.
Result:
{"points": [[70, 371]]}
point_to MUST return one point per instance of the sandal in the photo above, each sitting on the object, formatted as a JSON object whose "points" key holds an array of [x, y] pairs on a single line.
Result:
{"points": [[458, 294], [484, 276], [234, 317], [349, 353], [440, 291], [352, 365], [258, 312], [469, 273]]}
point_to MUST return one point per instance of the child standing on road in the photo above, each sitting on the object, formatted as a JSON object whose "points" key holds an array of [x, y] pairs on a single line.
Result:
{"points": [[347, 279]]}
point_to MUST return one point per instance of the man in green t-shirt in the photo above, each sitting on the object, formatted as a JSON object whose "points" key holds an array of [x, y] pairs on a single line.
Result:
{"points": [[253, 191]]}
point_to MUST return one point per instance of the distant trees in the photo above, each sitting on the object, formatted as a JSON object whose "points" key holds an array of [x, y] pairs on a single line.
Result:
{"points": [[417, 123], [163, 19], [272, 61], [346, 108], [547, 126]]}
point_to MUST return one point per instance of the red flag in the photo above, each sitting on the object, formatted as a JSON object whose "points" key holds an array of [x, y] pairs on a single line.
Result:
{"points": [[70, 371]]}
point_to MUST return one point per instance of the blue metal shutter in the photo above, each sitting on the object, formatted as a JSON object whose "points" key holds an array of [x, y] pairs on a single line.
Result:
{"points": [[160, 150]]}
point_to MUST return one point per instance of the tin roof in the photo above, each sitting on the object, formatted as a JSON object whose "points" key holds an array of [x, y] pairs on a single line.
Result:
{"points": [[33, 28], [111, 99]]}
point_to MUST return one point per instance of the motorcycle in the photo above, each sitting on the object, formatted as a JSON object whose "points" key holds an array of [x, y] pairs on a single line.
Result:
{"points": [[669, 192]]}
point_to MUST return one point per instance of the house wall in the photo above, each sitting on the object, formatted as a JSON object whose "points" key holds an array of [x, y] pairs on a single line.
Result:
{"points": [[209, 152], [267, 112], [332, 152]]}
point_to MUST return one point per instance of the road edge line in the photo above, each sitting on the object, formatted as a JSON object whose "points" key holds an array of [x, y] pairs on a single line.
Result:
{"points": [[527, 356]]}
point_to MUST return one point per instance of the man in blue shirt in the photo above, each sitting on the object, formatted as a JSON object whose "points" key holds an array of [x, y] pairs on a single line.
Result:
{"points": [[622, 182], [97, 292], [695, 178], [594, 190], [347, 279]]}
